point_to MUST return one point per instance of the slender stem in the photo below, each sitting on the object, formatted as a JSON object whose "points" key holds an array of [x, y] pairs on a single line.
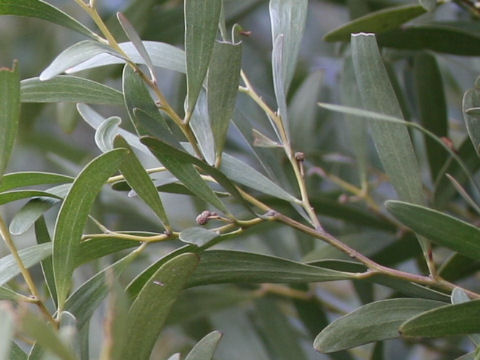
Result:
{"points": [[24, 271]]}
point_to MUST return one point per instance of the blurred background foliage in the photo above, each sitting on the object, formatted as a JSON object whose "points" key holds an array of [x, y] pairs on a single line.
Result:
{"points": [[53, 138]]}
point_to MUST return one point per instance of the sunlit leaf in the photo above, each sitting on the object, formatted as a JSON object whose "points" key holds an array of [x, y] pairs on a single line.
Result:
{"points": [[205, 348]]}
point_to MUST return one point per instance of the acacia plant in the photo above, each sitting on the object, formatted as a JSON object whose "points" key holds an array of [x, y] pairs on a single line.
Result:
{"points": [[239, 218]]}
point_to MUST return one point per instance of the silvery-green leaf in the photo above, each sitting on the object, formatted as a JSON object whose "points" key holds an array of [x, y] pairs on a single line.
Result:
{"points": [[106, 132]]}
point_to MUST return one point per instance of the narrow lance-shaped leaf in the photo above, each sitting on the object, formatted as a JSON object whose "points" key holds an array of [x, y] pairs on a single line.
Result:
{"points": [[43, 10], [150, 309], [432, 106], [10, 112], [392, 141], [279, 84], [43, 237], [373, 322], [30, 178], [106, 132], [65, 88], [205, 348], [376, 22], [458, 297], [440, 228], [74, 55], [201, 23], [183, 169], [288, 18], [140, 181], [73, 216], [459, 319], [222, 88], [357, 129], [202, 128]]}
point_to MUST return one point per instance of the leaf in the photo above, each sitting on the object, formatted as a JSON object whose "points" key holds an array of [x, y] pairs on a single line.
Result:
{"points": [[42, 10], [372, 322], [43, 237], [45, 335], [143, 111], [222, 88], [86, 299], [30, 256], [197, 236], [16, 353], [201, 23], [243, 174], [94, 119], [288, 18], [278, 69], [358, 130], [392, 141], [223, 266], [447, 320], [106, 132], [205, 348], [97, 248], [152, 305], [65, 88], [74, 55], [140, 181], [182, 168], [163, 55], [10, 113], [432, 106], [457, 267], [436, 37], [73, 216], [471, 99], [458, 297], [440, 228], [429, 5], [376, 22], [28, 178], [7, 332], [201, 126], [9, 196]]}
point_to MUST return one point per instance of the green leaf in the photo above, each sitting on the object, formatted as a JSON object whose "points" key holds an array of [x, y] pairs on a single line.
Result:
{"points": [[180, 165], [96, 248], [7, 294], [143, 111], [471, 99], [358, 130], [457, 267], [205, 348], [244, 174], [42, 10], [152, 305], [163, 55], [16, 353], [202, 128], [140, 181], [288, 18], [7, 332], [72, 56], [201, 23], [222, 88], [20, 179], [447, 320], [442, 229], [9, 196], [197, 236], [45, 335], [10, 113], [222, 266], [29, 213], [373, 322], [30, 256], [393, 142], [43, 237], [88, 297], [73, 216], [106, 132], [376, 22], [65, 88], [432, 105], [458, 297], [436, 37], [278, 69]]}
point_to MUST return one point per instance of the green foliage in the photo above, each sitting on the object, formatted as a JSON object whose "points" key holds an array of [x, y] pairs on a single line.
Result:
{"points": [[258, 195]]}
